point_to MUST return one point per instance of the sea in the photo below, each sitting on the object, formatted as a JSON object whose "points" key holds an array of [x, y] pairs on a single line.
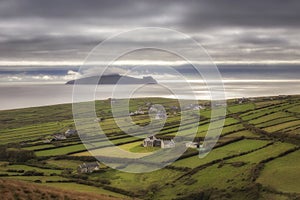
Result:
{"points": [[236, 81], [23, 95]]}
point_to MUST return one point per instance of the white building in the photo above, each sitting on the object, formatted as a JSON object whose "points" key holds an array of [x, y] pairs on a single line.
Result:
{"points": [[194, 145], [152, 141], [70, 132]]}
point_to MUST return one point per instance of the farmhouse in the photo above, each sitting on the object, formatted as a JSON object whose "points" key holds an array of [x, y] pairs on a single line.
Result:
{"points": [[167, 144], [174, 110], [193, 107], [88, 167], [112, 100], [152, 141], [161, 115], [97, 119], [58, 137], [198, 107], [157, 113], [242, 100], [46, 141], [194, 145], [55, 137], [70, 132], [137, 112]]}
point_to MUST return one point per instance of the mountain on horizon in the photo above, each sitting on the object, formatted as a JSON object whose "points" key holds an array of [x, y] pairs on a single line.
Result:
{"points": [[112, 79]]}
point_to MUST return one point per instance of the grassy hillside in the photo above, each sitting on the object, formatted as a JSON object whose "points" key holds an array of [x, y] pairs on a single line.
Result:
{"points": [[12, 189], [256, 157]]}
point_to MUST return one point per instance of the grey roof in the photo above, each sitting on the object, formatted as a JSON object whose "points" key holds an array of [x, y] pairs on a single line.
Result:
{"points": [[90, 165], [168, 142]]}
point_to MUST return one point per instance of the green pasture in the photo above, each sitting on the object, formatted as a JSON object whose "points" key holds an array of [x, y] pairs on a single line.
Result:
{"points": [[241, 108], [282, 173], [262, 154], [221, 152]]}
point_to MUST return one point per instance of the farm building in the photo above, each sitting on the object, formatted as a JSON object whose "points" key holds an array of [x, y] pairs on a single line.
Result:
{"points": [[88, 167], [193, 107], [242, 100], [58, 137], [174, 110], [152, 141], [46, 141], [70, 132], [167, 144], [137, 112], [195, 145], [97, 119], [161, 115], [158, 113]]}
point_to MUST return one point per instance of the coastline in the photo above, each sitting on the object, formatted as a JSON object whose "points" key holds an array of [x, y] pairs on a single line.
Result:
{"points": [[254, 98], [26, 95]]}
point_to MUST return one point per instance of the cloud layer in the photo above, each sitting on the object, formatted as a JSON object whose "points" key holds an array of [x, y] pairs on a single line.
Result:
{"points": [[66, 30]]}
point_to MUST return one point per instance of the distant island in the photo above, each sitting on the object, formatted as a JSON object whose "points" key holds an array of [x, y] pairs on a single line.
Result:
{"points": [[113, 79]]}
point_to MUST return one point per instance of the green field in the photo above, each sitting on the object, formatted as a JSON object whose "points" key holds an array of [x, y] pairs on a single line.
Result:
{"points": [[282, 173], [85, 188], [257, 155], [221, 152]]}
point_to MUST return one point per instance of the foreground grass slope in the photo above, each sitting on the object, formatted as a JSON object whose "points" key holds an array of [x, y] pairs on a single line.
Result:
{"points": [[282, 173], [12, 189]]}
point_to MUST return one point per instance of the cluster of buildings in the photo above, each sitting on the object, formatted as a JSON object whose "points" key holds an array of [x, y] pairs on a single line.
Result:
{"points": [[194, 107], [193, 145], [242, 100], [152, 141], [137, 112], [160, 114], [245, 99], [88, 167], [61, 136]]}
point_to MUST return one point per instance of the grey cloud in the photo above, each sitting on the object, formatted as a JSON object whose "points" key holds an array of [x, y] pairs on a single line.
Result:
{"points": [[191, 12], [69, 29], [268, 13], [264, 40], [83, 10]]}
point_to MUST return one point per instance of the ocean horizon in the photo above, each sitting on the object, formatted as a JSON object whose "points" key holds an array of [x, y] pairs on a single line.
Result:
{"points": [[33, 94]]}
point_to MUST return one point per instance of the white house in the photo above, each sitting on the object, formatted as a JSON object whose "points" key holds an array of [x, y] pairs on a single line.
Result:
{"points": [[46, 141], [58, 137], [97, 119], [70, 132], [88, 167], [161, 115], [198, 107], [152, 141], [167, 144], [137, 112], [194, 145]]}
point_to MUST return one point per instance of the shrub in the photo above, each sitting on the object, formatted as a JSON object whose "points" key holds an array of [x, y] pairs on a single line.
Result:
{"points": [[15, 170], [104, 181], [33, 173], [3, 175], [15, 155]]}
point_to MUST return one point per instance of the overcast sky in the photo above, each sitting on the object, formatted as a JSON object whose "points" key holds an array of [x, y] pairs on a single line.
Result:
{"points": [[62, 32]]}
